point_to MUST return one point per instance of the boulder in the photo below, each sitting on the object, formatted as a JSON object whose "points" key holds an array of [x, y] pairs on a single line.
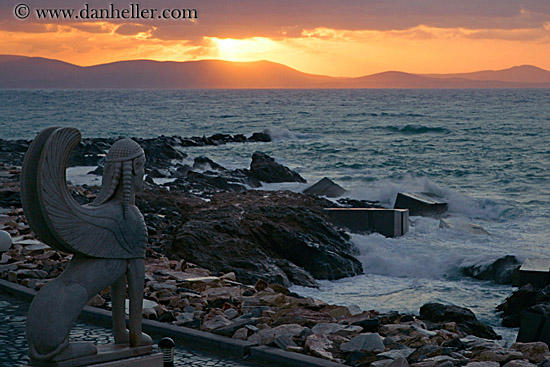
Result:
{"points": [[535, 352], [500, 271], [214, 323], [519, 363], [519, 301], [483, 364], [325, 187], [267, 336], [281, 237], [319, 345], [265, 169], [367, 342], [465, 319]]}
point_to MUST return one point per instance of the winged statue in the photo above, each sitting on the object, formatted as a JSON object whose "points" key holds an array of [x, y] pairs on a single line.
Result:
{"points": [[107, 238]]}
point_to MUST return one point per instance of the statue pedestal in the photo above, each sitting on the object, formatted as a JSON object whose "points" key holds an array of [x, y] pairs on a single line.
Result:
{"points": [[112, 355]]}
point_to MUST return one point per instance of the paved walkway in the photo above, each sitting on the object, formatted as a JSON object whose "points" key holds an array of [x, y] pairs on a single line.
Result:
{"points": [[13, 346]]}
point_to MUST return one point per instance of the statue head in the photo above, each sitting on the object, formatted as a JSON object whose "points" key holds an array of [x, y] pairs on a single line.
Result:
{"points": [[124, 170]]}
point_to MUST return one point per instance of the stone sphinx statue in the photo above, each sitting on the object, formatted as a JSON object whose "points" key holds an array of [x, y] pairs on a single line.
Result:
{"points": [[106, 237]]}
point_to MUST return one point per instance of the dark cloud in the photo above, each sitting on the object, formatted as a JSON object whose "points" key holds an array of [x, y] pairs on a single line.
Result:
{"points": [[288, 18]]}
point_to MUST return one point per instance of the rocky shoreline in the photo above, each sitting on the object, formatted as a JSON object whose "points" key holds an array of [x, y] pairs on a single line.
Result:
{"points": [[221, 258]]}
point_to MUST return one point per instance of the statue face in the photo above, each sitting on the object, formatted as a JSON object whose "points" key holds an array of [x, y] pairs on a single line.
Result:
{"points": [[138, 173]]}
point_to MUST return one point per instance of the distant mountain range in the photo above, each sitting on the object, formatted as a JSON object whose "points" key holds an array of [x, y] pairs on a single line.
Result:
{"points": [[37, 72]]}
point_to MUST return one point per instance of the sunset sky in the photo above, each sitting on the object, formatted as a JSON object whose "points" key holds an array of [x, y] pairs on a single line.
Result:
{"points": [[337, 38]]}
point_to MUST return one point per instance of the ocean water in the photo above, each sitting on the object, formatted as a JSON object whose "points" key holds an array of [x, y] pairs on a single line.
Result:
{"points": [[487, 152]]}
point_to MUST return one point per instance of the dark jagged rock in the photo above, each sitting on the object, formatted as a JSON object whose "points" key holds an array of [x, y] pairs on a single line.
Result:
{"points": [[207, 163], [325, 187], [465, 319], [265, 169], [159, 150], [263, 137], [521, 300], [500, 271], [275, 236]]}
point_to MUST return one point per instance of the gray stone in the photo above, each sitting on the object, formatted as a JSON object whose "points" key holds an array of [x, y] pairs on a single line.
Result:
{"points": [[236, 324], [399, 362], [283, 342], [483, 364], [535, 352], [7, 267], [107, 237], [241, 334], [163, 286], [319, 345], [214, 323], [382, 363], [325, 187], [5, 241], [519, 363], [396, 353], [266, 336], [31, 273], [367, 342], [231, 313]]}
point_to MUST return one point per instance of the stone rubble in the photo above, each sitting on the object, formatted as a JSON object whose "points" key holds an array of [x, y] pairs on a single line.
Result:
{"points": [[181, 293]]}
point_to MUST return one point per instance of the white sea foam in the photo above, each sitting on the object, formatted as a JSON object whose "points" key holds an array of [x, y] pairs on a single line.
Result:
{"points": [[386, 190], [79, 176], [279, 133]]}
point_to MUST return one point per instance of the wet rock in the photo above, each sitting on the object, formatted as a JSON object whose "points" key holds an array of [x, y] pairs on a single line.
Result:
{"points": [[521, 300], [325, 187], [265, 169], [368, 342], [465, 319], [499, 271], [275, 236], [263, 137]]}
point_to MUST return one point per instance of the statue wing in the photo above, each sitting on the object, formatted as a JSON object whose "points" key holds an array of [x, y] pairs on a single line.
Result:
{"points": [[59, 220]]}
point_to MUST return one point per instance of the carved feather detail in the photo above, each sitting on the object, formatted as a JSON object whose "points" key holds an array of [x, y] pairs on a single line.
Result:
{"points": [[97, 231]]}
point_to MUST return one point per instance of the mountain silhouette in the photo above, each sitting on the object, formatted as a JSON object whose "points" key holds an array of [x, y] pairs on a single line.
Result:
{"points": [[36, 72]]}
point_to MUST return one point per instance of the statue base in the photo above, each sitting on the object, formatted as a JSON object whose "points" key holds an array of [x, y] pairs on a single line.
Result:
{"points": [[111, 355]]}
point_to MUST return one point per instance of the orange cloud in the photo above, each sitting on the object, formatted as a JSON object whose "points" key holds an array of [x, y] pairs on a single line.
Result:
{"points": [[320, 50]]}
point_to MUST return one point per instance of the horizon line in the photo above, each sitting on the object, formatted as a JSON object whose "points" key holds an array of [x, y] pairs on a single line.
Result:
{"points": [[279, 63]]}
